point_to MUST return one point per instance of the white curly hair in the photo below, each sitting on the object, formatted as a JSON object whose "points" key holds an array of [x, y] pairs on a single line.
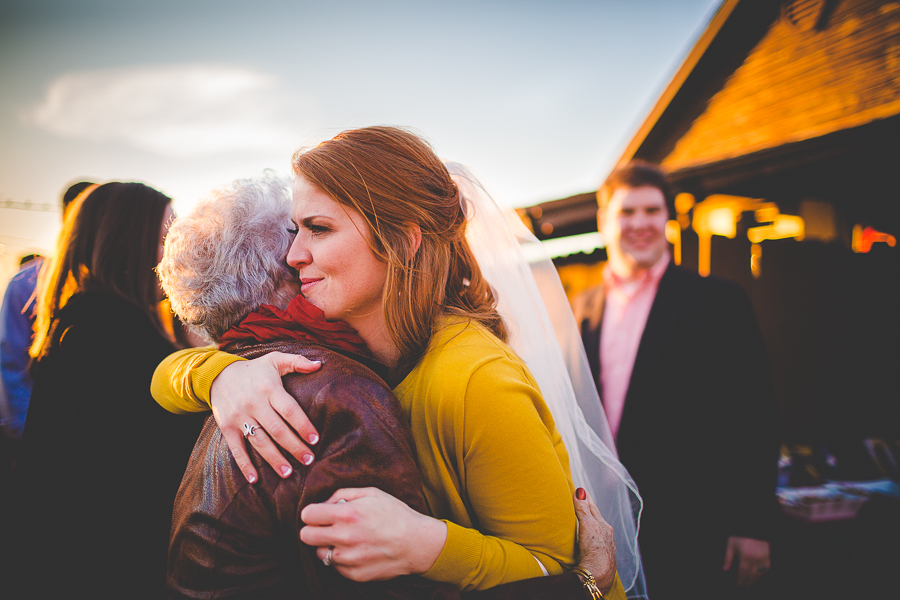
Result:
{"points": [[227, 257]]}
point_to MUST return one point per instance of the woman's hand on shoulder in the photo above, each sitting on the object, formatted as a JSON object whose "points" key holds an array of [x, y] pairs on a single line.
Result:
{"points": [[371, 535], [251, 392]]}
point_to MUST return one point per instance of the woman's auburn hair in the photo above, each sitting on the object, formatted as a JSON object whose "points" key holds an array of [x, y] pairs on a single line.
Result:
{"points": [[393, 178], [109, 243]]}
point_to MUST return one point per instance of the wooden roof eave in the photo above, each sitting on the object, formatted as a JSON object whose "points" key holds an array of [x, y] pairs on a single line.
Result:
{"points": [[734, 175], [734, 30]]}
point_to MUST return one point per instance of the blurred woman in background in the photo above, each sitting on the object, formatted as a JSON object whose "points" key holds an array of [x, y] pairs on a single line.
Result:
{"points": [[96, 494]]}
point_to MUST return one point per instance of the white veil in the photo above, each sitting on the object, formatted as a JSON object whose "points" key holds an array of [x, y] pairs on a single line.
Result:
{"points": [[542, 331]]}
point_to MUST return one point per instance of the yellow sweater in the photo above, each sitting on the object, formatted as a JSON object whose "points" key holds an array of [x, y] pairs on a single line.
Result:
{"points": [[493, 465]]}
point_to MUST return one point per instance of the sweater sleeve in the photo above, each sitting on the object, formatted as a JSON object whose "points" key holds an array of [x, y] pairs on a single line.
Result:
{"points": [[181, 383], [507, 444]]}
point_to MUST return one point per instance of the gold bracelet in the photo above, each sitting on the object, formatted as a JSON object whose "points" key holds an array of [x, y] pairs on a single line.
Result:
{"points": [[589, 582]]}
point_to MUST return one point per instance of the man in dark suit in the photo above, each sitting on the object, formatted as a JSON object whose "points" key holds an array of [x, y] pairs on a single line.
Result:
{"points": [[682, 371]]}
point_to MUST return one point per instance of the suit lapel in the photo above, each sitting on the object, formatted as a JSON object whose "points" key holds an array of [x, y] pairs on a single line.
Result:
{"points": [[664, 314]]}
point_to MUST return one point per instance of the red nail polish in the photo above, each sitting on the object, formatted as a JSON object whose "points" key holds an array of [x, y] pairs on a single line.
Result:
{"points": [[580, 494]]}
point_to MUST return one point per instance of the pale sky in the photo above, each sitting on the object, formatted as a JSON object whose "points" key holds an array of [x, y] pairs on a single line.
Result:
{"points": [[537, 98]]}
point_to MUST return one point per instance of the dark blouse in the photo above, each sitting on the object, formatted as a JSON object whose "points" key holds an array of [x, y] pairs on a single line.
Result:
{"points": [[101, 461]]}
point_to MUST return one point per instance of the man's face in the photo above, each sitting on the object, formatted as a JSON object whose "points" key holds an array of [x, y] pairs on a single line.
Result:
{"points": [[633, 226]]}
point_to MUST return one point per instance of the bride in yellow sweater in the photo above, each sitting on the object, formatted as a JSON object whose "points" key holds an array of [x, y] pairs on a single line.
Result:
{"points": [[381, 245]]}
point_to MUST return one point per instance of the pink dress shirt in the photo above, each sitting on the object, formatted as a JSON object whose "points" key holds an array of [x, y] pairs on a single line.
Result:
{"points": [[625, 313]]}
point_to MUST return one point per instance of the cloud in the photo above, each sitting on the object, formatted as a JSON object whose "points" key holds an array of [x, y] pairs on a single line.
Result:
{"points": [[176, 111]]}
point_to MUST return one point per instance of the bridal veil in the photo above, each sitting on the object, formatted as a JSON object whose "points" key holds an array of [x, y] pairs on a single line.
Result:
{"points": [[543, 332]]}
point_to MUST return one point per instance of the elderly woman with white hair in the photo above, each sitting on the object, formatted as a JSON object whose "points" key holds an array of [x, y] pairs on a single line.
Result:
{"points": [[225, 274]]}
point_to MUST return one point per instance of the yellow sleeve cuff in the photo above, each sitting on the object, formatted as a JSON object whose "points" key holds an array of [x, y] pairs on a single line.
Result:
{"points": [[181, 383], [467, 556], [459, 558], [203, 375]]}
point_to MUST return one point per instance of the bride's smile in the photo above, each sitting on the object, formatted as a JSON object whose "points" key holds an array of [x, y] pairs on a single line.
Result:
{"points": [[332, 253]]}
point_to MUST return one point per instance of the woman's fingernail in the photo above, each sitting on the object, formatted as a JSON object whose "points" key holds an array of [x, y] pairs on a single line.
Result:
{"points": [[580, 494], [251, 477], [285, 470], [313, 438], [307, 459]]}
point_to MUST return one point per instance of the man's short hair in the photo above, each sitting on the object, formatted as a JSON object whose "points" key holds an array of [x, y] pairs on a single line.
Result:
{"points": [[635, 174], [74, 190], [28, 258]]}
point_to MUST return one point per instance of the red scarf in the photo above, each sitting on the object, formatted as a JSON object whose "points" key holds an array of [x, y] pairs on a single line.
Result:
{"points": [[301, 321]]}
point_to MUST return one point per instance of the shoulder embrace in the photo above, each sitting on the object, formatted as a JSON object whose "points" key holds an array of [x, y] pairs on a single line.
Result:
{"points": [[346, 385]]}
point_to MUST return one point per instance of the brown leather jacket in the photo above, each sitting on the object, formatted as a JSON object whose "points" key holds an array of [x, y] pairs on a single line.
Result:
{"points": [[234, 540], [230, 539]]}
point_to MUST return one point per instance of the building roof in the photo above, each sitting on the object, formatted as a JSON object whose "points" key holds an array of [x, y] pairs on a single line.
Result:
{"points": [[770, 87], [734, 30]]}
